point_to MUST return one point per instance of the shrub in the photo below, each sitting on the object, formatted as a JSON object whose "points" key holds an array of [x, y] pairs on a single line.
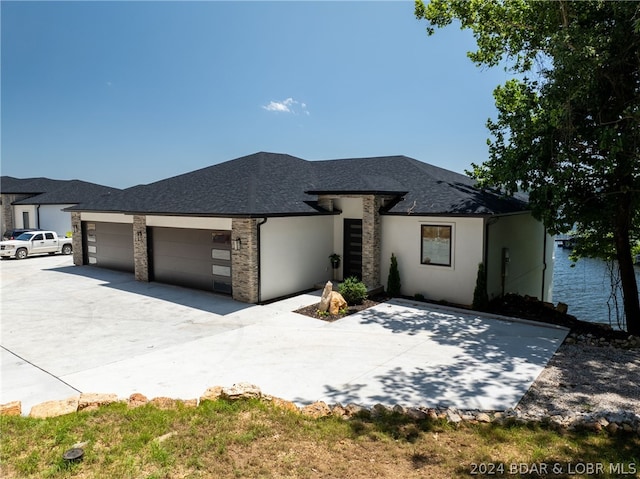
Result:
{"points": [[353, 290], [393, 281], [480, 296]]}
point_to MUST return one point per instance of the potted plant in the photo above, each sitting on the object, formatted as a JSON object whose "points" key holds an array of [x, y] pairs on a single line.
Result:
{"points": [[335, 260]]}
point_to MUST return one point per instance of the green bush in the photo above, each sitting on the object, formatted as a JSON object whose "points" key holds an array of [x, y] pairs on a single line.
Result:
{"points": [[393, 280], [353, 290]]}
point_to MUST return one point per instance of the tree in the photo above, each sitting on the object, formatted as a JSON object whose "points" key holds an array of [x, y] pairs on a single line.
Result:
{"points": [[480, 295], [567, 130], [393, 280]]}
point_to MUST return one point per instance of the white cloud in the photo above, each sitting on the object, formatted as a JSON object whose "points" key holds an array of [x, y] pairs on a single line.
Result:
{"points": [[288, 105]]}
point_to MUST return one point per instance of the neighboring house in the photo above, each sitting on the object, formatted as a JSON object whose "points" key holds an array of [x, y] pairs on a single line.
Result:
{"points": [[40, 202], [263, 226]]}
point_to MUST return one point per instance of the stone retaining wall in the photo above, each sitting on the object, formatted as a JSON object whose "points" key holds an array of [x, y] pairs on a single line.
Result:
{"points": [[612, 422]]}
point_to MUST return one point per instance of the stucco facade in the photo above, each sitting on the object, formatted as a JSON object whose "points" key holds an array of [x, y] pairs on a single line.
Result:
{"points": [[401, 235]]}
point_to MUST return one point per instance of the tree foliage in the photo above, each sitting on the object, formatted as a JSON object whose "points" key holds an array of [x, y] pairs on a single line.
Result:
{"points": [[568, 125], [393, 280]]}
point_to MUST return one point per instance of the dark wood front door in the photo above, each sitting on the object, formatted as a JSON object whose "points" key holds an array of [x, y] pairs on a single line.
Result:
{"points": [[352, 265]]}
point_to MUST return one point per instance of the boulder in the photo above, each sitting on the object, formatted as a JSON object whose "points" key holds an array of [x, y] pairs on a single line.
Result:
{"points": [[336, 303], [55, 408], [92, 401], [13, 408], [326, 297], [164, 402], [284, 404], [137, 400], [211, 394], [241, 391], [316, 410]]}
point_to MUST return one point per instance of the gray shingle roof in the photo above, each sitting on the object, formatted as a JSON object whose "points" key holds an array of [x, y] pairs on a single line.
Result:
{"points": [[11, 185], [272, 184], [45, 191]]}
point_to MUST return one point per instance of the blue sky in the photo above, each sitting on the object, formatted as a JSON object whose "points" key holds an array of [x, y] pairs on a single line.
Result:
{"points": [[123, 93]]}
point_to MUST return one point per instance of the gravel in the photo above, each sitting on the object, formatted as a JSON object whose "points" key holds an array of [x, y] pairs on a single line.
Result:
{"points": [[583, 378]]}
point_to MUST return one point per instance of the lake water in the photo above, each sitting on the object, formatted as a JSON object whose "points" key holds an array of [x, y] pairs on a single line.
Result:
{"points": [[586, 287]]}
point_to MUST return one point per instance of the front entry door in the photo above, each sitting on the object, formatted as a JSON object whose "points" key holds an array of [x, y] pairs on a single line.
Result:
{"points": [[352, 265]]}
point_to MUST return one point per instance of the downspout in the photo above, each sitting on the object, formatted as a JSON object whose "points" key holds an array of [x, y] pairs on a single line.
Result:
{"points": [[38, 216], [258, 258], [544, 262]]}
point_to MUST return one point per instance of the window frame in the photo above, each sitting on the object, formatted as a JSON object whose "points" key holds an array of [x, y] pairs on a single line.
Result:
{"points": [[450, 227]]}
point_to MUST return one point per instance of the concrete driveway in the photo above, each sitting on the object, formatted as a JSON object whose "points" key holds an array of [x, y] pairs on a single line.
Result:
{"points": [[68, 329]]}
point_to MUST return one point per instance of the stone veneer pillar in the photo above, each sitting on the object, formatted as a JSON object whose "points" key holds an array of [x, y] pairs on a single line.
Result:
{"points": [[371, 238], [244, 261], [76, 238], [140, 248], [7, 213]]}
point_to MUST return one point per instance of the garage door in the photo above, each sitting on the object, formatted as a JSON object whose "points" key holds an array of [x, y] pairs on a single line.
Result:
{"points": [[190, 257], [109, 245]]}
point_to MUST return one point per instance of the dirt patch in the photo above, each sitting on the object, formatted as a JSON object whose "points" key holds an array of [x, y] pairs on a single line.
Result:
{"points": [[313, 312]]}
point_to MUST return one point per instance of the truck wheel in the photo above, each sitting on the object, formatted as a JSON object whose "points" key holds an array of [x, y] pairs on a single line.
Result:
{"points": [[21, 253], [66, 249]]}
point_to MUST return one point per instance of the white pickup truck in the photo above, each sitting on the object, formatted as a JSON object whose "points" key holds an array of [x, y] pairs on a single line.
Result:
{"points": [[35, 242]]}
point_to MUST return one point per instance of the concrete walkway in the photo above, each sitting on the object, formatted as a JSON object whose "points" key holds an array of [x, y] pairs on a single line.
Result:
{"points": [[69, 329]]}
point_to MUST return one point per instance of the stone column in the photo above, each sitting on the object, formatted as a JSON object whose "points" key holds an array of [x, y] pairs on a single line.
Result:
{"points": [[76, 238], [244, 261], [140, 249], [371, 238], [7, 213]]}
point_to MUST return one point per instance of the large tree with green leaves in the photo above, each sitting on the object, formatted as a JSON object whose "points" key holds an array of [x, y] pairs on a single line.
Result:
{"points": [[568, 124]]}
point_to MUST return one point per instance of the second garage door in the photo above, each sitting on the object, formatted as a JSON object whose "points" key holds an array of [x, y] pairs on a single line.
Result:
{"points": [[191, 257]]}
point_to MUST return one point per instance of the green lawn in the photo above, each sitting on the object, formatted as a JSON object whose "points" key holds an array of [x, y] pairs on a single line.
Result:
{"points": [[247, 439]]}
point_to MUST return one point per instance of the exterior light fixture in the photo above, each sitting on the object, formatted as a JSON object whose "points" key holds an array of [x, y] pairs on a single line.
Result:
{"points": [[236, 244]]}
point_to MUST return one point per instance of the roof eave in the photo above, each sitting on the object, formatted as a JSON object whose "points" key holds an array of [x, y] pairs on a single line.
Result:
{"points": [[357, 192]]}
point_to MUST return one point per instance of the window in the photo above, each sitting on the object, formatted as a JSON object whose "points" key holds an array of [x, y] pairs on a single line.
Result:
{"points": [[38, 237], [436, 245], [49, 236]]}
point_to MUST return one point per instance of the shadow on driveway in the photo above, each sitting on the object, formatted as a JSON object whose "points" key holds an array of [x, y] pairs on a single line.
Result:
{"points": [[465, 360], [123, 281]]}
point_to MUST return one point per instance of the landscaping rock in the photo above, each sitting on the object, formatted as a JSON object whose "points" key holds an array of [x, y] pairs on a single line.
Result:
{"points": [[416, 414], [241, 391], [13, 408], [326, 297], [379, 410], [164, 402], [354, 409], [316, 410], [137, 400], [483, 417], [339, 411], [453, 416], [92, 401], [284, 404], [212, 394], [336, 303], [55, 408]]}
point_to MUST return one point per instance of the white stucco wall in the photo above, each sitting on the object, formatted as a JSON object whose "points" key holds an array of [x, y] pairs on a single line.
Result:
{"points": [[294, 254], [525, 238], [401, 235], [53, 218], [18, 211]]}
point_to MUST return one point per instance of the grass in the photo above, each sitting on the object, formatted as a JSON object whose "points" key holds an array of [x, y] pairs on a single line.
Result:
{"points": [[254, 439]]}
